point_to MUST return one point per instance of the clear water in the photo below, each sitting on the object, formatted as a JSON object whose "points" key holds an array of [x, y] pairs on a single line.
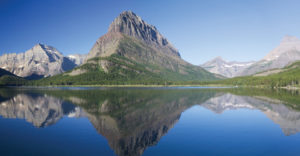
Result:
{"points": [[148, 121]]}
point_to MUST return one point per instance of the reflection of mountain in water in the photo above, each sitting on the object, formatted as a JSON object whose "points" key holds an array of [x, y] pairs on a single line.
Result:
{"points": [[40, 110], [287, 118], [134, 119]]}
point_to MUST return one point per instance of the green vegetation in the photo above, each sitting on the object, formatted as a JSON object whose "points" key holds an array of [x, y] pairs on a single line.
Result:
{"points": [[123, 71], [9, 79]]}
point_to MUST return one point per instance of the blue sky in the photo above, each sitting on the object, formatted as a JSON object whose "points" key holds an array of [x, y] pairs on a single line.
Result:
{"points": [[239, 30]]}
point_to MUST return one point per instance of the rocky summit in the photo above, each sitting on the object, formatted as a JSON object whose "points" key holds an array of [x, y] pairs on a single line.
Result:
{"points": [[129, 24], [37, 62], [133, 51]]}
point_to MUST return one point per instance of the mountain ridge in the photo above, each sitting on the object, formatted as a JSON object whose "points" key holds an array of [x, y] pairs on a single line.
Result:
{"points": [[226, 68]]}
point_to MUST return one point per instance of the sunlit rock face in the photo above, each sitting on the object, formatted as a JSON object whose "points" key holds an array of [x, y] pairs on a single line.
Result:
{"points": [[40, 110], [277, 111], [37, 62]]}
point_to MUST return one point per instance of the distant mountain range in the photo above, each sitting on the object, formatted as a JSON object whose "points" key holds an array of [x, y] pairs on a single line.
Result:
{"points": [[228, 69], [286, 53], [38, 62]]}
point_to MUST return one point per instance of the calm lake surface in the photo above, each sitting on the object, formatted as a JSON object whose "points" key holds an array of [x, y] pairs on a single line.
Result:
{"points": [[148, 121]]}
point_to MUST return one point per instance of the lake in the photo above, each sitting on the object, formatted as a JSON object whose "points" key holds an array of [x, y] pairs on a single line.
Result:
{"points": [[149, 121]]}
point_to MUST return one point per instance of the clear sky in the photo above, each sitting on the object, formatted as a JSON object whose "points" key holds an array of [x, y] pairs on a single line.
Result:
{"points": [[240, 30]]}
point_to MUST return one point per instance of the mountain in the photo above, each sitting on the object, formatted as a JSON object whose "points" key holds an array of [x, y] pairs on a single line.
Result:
{"points": [[78, 59], [227, 69], [40, 61], [132, 52], [287, 52]]}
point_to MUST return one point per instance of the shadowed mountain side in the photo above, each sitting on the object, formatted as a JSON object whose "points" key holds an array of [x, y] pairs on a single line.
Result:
{"points": [[9, 79]]}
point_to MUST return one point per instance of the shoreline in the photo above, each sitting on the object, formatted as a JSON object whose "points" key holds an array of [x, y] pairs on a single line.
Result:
{"points": [[124, 86]]}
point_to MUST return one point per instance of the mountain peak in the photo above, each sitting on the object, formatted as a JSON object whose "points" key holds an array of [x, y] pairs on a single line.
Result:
{"points": [[45, 49], [219, 58], [128, 13], [131, 25], [289, 39], [288, 44]]}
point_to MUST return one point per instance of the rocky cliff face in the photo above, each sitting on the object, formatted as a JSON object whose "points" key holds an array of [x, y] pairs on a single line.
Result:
{"points": [[128, 23], [227, 69], [39, 61], [132, 25], [287, 52]]}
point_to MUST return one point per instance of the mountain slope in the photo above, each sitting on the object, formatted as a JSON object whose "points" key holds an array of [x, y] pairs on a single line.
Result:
{"points": [[9, 79], [287, 52], [132, 52], [227, 69], [40, 61]]}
